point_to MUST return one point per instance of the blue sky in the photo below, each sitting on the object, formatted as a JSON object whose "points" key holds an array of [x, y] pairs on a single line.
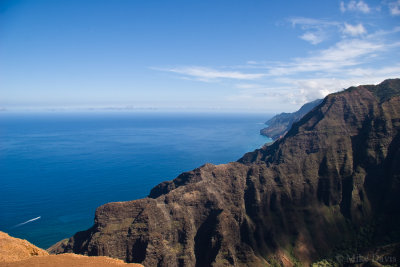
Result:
{"points": [[245, 56]]}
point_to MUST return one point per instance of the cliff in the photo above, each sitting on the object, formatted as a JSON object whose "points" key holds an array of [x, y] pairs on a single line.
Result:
{"points": [[328, 189], [19, 252], [280, 124]]}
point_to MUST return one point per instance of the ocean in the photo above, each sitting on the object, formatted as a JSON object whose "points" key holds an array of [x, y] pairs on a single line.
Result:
{"points": [[56, 168]]}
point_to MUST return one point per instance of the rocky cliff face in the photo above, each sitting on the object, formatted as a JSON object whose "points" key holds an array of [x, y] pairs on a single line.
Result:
{"points": [[330, 186], [280, 124]]}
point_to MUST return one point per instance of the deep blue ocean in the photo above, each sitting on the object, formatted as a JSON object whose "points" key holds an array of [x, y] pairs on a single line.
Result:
{"points": [[61, 166]]}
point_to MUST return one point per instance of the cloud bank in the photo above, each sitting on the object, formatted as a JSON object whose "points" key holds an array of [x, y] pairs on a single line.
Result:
{"points": [[358, 55]]}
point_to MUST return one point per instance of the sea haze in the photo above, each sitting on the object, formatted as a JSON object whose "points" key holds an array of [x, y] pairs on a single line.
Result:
{"points": [[61, 166]]}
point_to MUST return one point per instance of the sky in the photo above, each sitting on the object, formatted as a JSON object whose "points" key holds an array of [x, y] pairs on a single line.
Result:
{"points": [[207, 55]]}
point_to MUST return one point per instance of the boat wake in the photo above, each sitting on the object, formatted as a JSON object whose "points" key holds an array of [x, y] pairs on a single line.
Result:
{"points": [[28, 221]]}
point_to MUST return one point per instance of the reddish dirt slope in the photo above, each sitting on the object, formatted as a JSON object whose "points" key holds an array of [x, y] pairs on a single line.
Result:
{"points": [[19, 252]]}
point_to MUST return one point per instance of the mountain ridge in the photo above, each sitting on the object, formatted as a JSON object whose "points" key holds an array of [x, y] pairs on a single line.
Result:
{"points": [[329, 187], [281, 123]]}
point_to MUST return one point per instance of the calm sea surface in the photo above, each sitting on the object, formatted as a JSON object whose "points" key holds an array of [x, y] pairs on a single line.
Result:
{"points": [[61, 166]]}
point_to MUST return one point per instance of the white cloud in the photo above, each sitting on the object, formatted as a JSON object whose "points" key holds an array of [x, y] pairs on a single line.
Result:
{"points": [[394, 8], [316, 29], [353, 5], [390, 71], [357, 58], [271, 98], [292, 92], [311, 37], [306, 21], [342, 7], [207, 74], [291, 84], [354, 30], [343, 54], [311, 89], [309, 23], [328, 70], [314, 88]]}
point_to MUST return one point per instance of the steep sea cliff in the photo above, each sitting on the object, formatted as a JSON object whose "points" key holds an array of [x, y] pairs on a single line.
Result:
{"points": [[327, 190]]}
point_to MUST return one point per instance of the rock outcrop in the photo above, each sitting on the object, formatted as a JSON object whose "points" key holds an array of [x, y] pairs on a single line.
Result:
{"points": [[19, 252], [329, 187], [280, 124]]}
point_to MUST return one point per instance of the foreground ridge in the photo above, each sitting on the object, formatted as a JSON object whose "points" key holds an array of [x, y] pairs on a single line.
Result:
{"points": [[15, 252], [328, 189]]}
